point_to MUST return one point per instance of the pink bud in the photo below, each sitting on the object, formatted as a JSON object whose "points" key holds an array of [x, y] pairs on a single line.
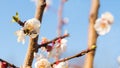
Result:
{"points": [[49, 48], [3, 64], [59, 40]]}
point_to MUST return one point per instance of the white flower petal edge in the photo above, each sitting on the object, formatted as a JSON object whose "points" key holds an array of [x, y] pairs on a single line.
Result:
{"points": [[108, 16], [38, 57], [21, 36], [102, 30], [63, 41], [63, 45], [43, 63], [62, 65]]}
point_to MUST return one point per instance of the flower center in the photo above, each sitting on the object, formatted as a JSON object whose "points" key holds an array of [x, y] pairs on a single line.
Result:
{"points": [[103, 25], [30, 27], [42, 65]]}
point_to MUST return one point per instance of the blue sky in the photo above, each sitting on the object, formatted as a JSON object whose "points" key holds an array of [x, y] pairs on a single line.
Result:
{"points": [[77, 11]]}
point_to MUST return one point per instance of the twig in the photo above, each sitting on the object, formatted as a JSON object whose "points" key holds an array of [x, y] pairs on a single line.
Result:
{"points": [[18, 21], [45, 44], [75, 56], [9, 64], [60, 18], [21, 23]]}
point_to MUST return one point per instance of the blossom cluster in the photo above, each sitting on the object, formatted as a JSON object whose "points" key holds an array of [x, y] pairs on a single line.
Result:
{"points": [[103, 24], [54, 51], [30, 28]]}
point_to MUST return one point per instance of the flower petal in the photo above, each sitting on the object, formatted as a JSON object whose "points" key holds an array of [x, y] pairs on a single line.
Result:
{"points": [[21, 36], [102, 26], [42, 63], [108, 16]]}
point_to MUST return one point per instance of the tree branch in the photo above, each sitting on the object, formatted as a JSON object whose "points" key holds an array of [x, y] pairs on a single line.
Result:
{"points": [[40, 9], [18, 21], [9, 64], [92, 37], [45, 44], [75, 56], [33, 41], [60, 18]]}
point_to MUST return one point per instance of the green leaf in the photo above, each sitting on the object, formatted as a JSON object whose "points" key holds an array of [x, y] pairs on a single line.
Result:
{"points": [[17, 14], [13, 20], [16, 17]]}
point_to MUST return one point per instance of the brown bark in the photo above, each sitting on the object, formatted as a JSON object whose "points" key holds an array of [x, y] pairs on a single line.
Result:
{"points": [[92, 37], [32, 47]]}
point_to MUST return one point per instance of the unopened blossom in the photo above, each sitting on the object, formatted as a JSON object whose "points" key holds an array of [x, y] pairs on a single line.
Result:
{"points": [[62, 65], [102, 26], [65, 20], [21, 36], [44, 40], [32, 27], [42, 63], [108, 16]]}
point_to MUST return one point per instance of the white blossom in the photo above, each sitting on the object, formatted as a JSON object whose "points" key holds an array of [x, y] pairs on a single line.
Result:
{"points": [[108, 16], [58, 49], [63, 45], [21, 36], [43, 63], [62, 65], [32, 27], [102, 26]]}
